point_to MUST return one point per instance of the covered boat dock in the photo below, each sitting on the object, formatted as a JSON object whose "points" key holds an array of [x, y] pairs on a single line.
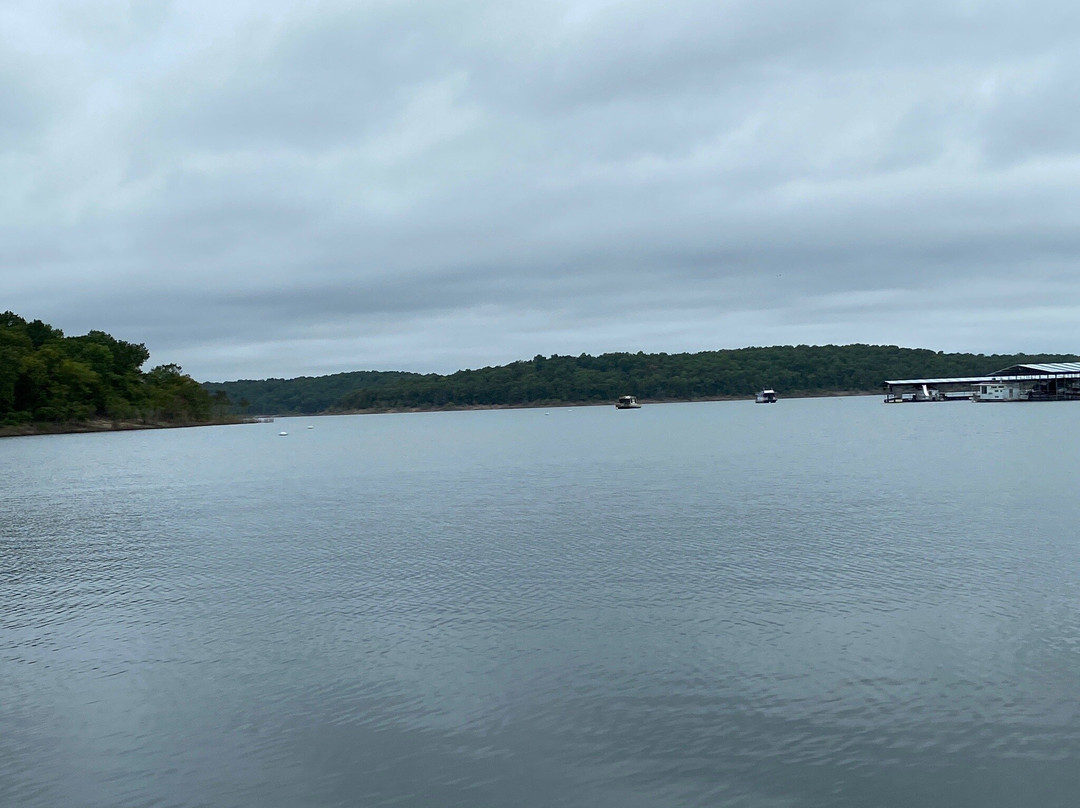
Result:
{"points": [[1052, 381]]}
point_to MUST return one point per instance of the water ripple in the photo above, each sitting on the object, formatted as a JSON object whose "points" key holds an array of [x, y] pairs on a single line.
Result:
{"points": [[700, 606]]}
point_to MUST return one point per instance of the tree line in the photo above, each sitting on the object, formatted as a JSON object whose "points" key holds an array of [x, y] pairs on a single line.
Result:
{"points": [[48, 378], [792, 370], [304, 395]]}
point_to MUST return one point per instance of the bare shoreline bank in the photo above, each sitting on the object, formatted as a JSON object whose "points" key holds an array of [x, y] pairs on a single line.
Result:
{"points": [[101, 425], [104, 425]]}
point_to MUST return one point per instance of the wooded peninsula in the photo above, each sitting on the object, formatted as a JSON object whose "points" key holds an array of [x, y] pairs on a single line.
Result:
{"points": [[53, 383], [793, 370]]}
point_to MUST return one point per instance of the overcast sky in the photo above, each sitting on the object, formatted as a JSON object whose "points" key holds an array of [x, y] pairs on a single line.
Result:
{"points": [[274, 188]]}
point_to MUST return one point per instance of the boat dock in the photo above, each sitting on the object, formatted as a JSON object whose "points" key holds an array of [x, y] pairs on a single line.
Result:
{"points": [[1053, 381]]}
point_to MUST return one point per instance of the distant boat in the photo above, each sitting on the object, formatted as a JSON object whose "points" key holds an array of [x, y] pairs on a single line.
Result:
{"points": [[282, 434], [766, 397], [627, 403]]}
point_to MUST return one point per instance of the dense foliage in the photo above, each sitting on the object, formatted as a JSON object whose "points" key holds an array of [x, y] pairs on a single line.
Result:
{"points": [[46, 377], [300, 396], [791, 370]]}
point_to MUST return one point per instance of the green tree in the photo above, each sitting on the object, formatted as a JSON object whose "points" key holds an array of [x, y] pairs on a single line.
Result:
{"points": [[172, 395], [47, 377]]}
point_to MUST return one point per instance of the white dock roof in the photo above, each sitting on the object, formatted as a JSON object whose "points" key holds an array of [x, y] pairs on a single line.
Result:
{"points": [[954, 380], [1040, 368], [1015, 373]]}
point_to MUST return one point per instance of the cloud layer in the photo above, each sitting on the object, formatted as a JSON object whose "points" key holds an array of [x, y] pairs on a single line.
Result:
{"points": [[274, 189]]}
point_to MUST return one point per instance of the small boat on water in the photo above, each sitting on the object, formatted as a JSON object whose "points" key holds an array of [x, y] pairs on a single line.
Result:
{"points": [[766, 397], [627, 403]]}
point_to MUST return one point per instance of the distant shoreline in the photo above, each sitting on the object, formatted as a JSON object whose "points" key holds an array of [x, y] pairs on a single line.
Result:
{"points": [[795, 371], [550, 404], [104, 425]]}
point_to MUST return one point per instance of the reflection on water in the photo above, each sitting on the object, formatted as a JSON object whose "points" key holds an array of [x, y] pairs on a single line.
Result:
{"points": [[819, 603]]}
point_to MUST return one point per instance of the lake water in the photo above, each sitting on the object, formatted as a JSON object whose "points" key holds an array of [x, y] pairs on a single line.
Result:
{"points": [[822, 602]]}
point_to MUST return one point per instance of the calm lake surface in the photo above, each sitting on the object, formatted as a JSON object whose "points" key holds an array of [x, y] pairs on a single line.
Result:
{"points": [[821, 602]]}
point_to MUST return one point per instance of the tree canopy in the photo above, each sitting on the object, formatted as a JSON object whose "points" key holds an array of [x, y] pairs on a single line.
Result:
{"points": [[305, 395], [46, 377], [790, 369]]}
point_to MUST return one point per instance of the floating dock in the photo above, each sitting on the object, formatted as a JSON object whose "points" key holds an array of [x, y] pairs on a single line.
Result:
{"points": [[1052, 381]]}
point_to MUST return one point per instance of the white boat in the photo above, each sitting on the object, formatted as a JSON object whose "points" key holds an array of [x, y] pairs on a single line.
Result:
{"points": [[766, 397], [627, 403], [999, 391]]}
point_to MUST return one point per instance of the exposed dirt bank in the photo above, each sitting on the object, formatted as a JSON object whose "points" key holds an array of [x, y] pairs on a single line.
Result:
{"points": [[102, 425]]}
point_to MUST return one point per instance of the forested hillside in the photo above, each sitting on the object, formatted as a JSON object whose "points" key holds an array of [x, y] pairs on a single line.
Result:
{"points": [[303, 395], [792, 370], [48, 378]]}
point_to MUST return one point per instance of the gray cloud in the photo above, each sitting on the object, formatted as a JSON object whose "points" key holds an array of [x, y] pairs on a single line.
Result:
{"points": [[266, 188]]}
